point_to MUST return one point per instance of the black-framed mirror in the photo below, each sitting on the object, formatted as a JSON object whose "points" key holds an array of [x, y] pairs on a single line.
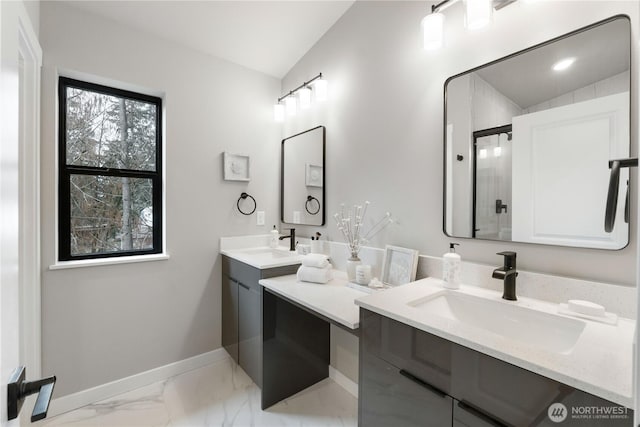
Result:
{"points": [[302, 178], [528, 139]]}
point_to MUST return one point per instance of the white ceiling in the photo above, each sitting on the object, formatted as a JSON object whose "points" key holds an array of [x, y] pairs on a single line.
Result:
{"points": [[528, 79], [267, 36]]}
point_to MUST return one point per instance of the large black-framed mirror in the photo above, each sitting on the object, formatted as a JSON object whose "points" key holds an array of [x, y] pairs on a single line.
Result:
{"points": [[528, 139], [302, 178]]}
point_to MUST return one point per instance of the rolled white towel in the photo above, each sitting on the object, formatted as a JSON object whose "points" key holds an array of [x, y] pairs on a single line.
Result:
{"points": [[314, 274], [315, 260]]}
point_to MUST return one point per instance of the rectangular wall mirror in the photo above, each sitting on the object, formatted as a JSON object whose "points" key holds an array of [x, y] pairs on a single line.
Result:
{"points": [[302, 193], [528, 139]]}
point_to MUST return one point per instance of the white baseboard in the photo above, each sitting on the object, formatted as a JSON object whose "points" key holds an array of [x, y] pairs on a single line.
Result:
{"points": [[85, 397], [343, 381]]}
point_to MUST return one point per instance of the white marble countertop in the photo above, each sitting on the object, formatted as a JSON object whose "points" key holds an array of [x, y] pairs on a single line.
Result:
{"points": [[601, 362], [264, 257], [333, 300]]}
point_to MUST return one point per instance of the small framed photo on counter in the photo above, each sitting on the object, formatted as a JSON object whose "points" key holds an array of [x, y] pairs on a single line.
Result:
{"points": [[399, 265]]}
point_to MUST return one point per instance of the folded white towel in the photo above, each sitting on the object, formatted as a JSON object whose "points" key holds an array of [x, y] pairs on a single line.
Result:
{"points": [[314, 274], [315, 260]]}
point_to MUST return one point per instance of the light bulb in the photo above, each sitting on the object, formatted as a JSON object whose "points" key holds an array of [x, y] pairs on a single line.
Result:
{"points": [[292, 108], [563, 64], [278, 112], [321, 88], [305, 97], [478, 13], [433, 29]]}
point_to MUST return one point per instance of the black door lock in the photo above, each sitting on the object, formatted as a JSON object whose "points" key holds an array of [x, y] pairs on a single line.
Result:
{"points": [[18, 389]]}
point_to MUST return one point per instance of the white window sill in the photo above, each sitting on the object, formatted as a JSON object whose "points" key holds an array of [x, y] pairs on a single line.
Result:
{"points": [[62, 265]]}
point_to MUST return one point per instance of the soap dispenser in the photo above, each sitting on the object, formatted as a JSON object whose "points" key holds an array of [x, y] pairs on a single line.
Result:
{"points": [[273, 241], [451, 266]]}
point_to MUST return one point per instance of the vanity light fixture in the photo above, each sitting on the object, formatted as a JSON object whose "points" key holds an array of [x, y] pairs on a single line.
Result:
{"points": [[317, 85], [321, 87], [278, 112], [563, 64], [433, 29], [478, 14], [292, 108], [305, 97]]}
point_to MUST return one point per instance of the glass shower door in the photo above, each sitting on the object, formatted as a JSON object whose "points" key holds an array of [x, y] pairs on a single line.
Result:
{"points": [[492, 185]]}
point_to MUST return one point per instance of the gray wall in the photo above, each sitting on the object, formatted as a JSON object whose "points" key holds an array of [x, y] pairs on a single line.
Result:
{"points": [[105, 323], [384, 120]]}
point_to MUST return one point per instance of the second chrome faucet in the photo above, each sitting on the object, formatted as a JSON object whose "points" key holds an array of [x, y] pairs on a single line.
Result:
{"points": [[507, 273]]}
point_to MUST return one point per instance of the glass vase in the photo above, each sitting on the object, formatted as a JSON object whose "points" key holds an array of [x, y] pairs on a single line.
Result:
{"points": [[352, 263]]}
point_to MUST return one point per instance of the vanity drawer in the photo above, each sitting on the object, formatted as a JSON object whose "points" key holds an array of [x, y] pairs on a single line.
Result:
{"points": [[423, 355], [519, 397], [391, 398]]}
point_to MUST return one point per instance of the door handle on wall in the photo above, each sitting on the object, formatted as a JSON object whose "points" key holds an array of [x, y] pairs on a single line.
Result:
{"points": [[18, 389]]}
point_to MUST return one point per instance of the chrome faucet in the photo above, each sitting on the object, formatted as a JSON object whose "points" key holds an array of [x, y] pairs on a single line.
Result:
{"points": [[508, 274], [292, 236]]}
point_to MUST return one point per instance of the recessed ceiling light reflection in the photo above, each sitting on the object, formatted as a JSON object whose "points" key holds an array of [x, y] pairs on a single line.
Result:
{"points": [[563, 64]]}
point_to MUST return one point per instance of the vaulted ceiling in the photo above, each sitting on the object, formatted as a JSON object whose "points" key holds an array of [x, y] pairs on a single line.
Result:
{"points": [[267, 36]]}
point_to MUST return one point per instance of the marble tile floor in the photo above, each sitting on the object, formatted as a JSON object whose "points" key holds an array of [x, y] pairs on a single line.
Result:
{"points": [[220, 394]]}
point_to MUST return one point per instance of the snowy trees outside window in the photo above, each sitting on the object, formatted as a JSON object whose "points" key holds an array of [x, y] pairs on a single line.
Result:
{"points": [[110, 172]]}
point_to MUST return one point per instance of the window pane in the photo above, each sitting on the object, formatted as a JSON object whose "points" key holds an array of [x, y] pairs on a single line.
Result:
{"points": [[109, 131], [110, 214]]}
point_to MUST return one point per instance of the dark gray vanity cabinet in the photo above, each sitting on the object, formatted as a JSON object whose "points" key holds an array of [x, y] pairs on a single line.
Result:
{"points": [[409, 377], [242, 312], [394, 398]]}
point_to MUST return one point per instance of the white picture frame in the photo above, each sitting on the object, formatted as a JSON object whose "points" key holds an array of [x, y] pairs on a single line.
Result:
{"points": [[236, 167], [399, 265], [313, 175]]}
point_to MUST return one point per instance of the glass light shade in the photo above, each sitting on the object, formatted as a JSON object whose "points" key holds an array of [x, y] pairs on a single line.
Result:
{"points": [[483, 153], [433, 30], [497, 151], [478, 13], [321, 88], [291, 104], [305, 97], [278, 112]]}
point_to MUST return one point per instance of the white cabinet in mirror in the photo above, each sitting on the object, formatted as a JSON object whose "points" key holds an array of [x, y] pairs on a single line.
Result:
{"points": [[528, 143]]}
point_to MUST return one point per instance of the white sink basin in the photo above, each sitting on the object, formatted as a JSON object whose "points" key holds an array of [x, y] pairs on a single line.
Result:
{"points": [[263, 257], [268, 252], [525, 325]]}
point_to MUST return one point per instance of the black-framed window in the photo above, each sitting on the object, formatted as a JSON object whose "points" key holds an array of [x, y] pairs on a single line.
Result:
{"points": [[110, 172]]}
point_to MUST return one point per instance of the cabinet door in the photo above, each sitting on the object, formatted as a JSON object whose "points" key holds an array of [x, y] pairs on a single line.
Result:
{"points": [[250, 331], [230, 316], [389, 396], [425, 355], [519, 397]]}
